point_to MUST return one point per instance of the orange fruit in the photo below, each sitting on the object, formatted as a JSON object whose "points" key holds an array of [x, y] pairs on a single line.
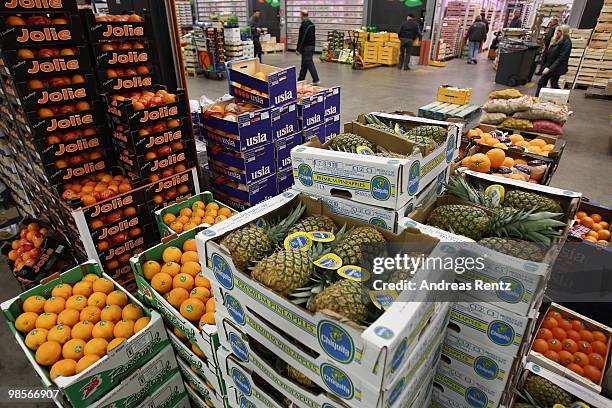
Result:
{"points": [[587, 222], [225, 212], [586, 335], [191, 268], [171, 268], [96, 346], [559, 333], [590, 238], [569, 345], [189, 256], [565, 357], [220, 218], [211, 213], [597, 360], [169, 218], [59, 334], [46, 321], [35, 338], [68, 317], [183, 280], [162, 282], [124, 328], [210, 305], [550, 323], [595, 217], [83, 288], [114, 343], [189, 225], [522, 143], [201, 280], [190, 245], [574, 335], [600, 336], [552, 355], [103, 285], [117, 297], [192, 309], [172, 254], [35, 304], [581, 214], [585, 347], [55, 304], [77, 302], [596, 227], [577, 325], [516, 138], [592, 373], [501, 146], [605, 225], [111, 313], [496, 157], [90, 277], [575, 368], [471, 133], [201, 293], [196, 220], [63, 368], [197, 350], [141, 323], [212, 206], [74, 349], [85, 362], [534, 149], [555, 345], [97, 299], [480, 163], [48, 353], [548, 147], [592, 234], [82, 330], [177, 226], [538, 142], [540, 346], [544, 334], [150, 268], [207, 318], [555, 314], [198, 205], [198, 214], [479, 130], [91, 313], [209, 219], [103, 330], [186, 212], [603, 234], [177, 296], [132, 312], [520, 161], [491, 141], [581, 359], [599, 347], [179, 334]]}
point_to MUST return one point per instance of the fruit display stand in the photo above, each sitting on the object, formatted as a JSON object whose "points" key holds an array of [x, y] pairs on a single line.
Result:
{"points": [[255, 315], [205, 198], [581, 358], [105, 374], [200, 332]]}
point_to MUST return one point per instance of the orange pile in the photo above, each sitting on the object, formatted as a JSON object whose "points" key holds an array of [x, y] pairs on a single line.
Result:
{"points": [[535, 146], [199, 213], [78, 324], [570, 343], [181, 281], [495, 159], [599, 229]]}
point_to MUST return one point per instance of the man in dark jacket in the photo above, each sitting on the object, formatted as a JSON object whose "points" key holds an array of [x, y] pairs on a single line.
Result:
{"points": [[484, 20], [407, 33], [306, 47], [516, 21], [255, 24], [476, 34], [557, 59], [552, 26]]}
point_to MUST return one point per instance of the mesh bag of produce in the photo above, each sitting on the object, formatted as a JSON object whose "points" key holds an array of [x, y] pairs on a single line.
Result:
{"points": [[545, 111], [514, 123], [548, 127], [492, 118], [509, 93], [508, 106]]}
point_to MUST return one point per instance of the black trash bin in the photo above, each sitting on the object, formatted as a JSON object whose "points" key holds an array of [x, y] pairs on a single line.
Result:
{"points": [[516, 64]]}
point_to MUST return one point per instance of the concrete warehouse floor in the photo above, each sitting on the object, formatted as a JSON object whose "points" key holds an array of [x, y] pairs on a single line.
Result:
{"points": [[584, 165]]}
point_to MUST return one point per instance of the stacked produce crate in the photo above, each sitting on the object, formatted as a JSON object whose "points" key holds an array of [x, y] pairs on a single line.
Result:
{"points": [[170, 281], [115, 353], [332, 357], [580, 39], [207, 10], [335, 40], [596, 67], [318, 112], [214, 55], [249, 136], [450, 38], [233, 43], [183, 13]]}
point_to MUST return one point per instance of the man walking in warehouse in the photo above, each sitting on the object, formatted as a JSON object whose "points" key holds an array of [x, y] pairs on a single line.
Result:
{"points": [[306, 47], [477, 33], [255, 24], [516, 21], [552, 26], [407, 33]]}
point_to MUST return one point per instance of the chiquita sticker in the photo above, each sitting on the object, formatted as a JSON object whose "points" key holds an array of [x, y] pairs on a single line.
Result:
{"points": [[383, 299], [365, 150], [298, 240], [321, 236], [329, 261], [354, 273]]}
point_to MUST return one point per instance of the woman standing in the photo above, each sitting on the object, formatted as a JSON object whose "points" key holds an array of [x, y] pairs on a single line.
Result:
{"points": [[556, 59]]}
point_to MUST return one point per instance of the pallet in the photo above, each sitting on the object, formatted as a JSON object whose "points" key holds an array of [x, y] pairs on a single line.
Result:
{"points": [[443, 111], [366, 65]]}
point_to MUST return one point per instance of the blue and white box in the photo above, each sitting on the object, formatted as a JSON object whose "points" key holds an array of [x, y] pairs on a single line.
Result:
{"points": [[244, 167]]}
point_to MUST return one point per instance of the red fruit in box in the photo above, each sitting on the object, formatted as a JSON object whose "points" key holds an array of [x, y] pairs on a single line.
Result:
{"points": [[114, 216], [45, 113], [180, 168], [96, 195], [68, 194], [12, 255], [129, 211], [125, 46], [59, 21], [78, 79], [142, 70], [68, 136], [15, 21], [153, 177], [54, 139], [176, 146], [111, 73], [585, 347], [75, 160], [134, 232], [597, 360], [167, 173], [159, 127], [183, 188], [89, 132], [107, 47], [172, 123], [134, 18], [169, 98], [38, 242], [15, 244], [95, 155], [124, 259], [124, 188], [150, 155], [164, 150], [83, 106], [67, 109], [143, 132], [599, 347], [137, 45], [55, 110], [56, 81], [35, 84], [157, 101], [68, 51], [138, 105], [25, 244], [35, 252], [120, 237], [25, 54], [106, 194], [120, 72], [171, 194], [29, 263], [111, 265], [38, 20]]}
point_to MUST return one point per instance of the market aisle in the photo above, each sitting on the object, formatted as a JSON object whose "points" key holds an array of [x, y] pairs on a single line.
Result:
{"points": [[585, 161]]}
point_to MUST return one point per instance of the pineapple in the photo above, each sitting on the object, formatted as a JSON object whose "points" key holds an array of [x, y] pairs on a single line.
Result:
{"points": [[435, 133], [459, 187], [392, 155], [251, 243], [515, 247], [359, 245], [384, 128], [524, 200], [345, 297], [348, 142], [475, 223], [284, 271], [297, 376], [313, 223], [547, 394]]}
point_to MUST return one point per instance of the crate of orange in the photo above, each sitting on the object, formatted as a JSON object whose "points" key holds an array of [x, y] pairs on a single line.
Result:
{"points": [[170, 280], [200, 210], [572, 345], [82, 333], [592, 224]]}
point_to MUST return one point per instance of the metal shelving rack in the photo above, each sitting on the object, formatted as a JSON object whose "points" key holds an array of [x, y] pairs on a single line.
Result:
{"points": [[206, 8]]}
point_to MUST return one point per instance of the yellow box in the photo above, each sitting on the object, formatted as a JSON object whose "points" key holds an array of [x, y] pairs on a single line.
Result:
{"points": [[393, 43], [393, 36], [382, 37], [371, 59], [450, 94]]}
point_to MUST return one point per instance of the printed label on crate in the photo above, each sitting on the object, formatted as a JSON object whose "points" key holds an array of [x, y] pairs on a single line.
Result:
{"points": [[27, 35], [128, 57], [121, 84], [71, 121], [54, 65], [124, 30]]}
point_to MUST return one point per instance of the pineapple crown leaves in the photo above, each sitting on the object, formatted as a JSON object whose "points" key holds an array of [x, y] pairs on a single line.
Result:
{"points": [[536, 227], [279, 230], [460, 187]]}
